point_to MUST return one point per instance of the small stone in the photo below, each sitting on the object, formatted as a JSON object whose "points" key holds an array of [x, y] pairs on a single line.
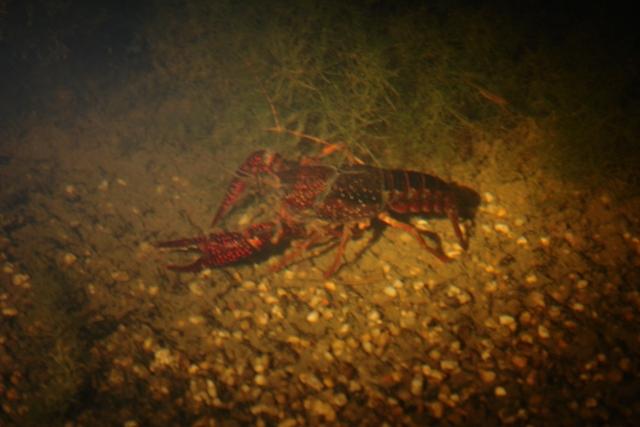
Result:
{"points": [[70, 192], [502, 228], [313, 316], [508, 321], [373, 316], [543, 332], [330, 286], [487, 376], [104, 185], [531, 278], [339, 400], [416, 385], [581, 284], [196, 320], [418, 285], [196, 289], [577, 307], [500, 391], [320, 408], [519, 362], [488, 197], [20, 279], [545, 241], [310, 380], [449, 365], [536, 299], [390, 291], [9, 312], [68, 259], [260, 380], [121, 182], [491, 286], [120, 276], [436, 409], [501, 213], [522, 241]]}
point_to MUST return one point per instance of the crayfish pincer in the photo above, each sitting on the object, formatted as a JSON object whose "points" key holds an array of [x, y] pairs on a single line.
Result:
{"points": [[317, 203]]}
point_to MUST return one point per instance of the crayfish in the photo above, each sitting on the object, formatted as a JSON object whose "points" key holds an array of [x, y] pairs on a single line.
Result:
{"points": [[318, 203]]}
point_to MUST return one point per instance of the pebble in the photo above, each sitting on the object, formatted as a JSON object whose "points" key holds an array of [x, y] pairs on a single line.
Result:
{"points": [[320, 408], [500, 391], [531, 278], [502, 228], [577, 307], [196, 320], [522, 241], [390, 291], [501, 213], [196, 289], [20, 279], [449, 365], [104, 185], [330, 286], [436, 409], [543, 332], [373, 316], [260, 380], [519, 362], [69, 259], [508, 321], [536, 299], [545, 241], [487, 376], [488, 197], [310, 380], [70, 191], [9, 312], [339, 400], [120, 276], [313, 316], [491, 287], [416, 385]]}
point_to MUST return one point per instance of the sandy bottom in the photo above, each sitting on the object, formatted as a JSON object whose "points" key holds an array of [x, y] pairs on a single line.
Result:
{"points": [[536, 324]]}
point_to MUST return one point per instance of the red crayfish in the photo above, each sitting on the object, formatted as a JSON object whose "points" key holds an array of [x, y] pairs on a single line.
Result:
{"points": [[318, 203]]}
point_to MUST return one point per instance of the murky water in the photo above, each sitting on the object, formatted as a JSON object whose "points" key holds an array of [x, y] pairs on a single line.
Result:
{"points": [[534, 324]]}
